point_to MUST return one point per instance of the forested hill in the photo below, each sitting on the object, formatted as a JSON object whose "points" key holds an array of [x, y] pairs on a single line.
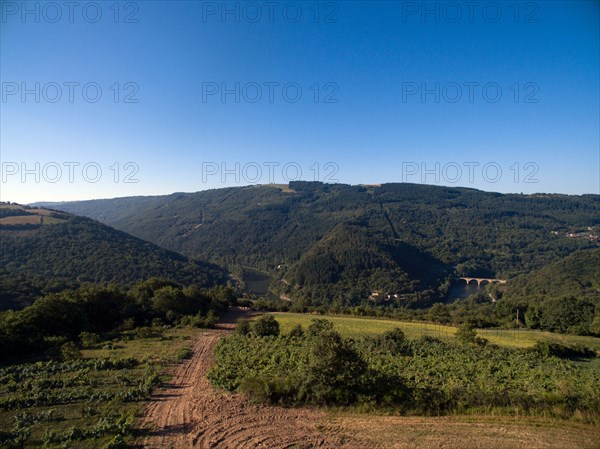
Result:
{"points": [[280, 228], [577, 275], [564, 296], [42, 250]]}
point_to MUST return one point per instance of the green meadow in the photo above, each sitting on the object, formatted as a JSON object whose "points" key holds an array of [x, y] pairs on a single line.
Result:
{"points": [[364, 326]]}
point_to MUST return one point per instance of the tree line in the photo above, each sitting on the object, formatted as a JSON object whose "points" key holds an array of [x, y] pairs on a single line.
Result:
{"points": [[67, 315]]}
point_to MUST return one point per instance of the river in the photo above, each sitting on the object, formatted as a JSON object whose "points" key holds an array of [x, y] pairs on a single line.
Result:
{"points": [[461, 291]]}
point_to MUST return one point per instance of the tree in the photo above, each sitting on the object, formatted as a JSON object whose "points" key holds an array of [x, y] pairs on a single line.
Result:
{"points": [[172, 299], [266, 326], [335, 368], [393, 341], [439, 313]]}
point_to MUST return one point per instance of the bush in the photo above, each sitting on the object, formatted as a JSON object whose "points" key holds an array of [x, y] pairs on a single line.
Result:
{"points": [[319, 326], [393, 342], [266, 326], [549, 348], [297, 331], [244, 302], [89, 339], [466, 333], [243, 327], [210, 320], [183, 354], [118, 442], [425, 376], [70, 351], [258, 389], [53, 345], [128, 324], [144, 332]]}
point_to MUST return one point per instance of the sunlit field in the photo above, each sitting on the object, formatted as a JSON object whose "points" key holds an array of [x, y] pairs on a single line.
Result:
{"points": [[359, 327]]}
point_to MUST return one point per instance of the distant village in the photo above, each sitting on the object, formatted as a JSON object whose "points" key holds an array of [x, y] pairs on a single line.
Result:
{"points": [[379, 298], [588, 233]]}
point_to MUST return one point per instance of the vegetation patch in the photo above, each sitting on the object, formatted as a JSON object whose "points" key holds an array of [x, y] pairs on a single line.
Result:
{"points": [[90, 402], [411, 376]]}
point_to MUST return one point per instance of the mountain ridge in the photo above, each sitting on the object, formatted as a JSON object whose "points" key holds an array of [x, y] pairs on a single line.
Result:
{"points": [[470, 232]]}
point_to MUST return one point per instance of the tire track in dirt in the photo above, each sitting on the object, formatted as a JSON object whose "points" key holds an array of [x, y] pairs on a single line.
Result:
{"points": [[189, 413]]}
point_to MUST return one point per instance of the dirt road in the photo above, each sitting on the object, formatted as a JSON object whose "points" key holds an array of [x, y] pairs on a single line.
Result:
{"points": [[190, 413]]}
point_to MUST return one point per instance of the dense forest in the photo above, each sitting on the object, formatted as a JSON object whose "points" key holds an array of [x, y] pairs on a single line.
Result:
{"points": [[346, 265], [72, 251], [325, 241]]}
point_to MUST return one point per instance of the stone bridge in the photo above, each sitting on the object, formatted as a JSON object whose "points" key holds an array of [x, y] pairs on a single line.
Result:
{"points": [[481, 281]]}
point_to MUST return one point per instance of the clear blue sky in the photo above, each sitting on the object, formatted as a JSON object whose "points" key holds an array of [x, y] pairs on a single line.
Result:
{"points": [[371, 62]]}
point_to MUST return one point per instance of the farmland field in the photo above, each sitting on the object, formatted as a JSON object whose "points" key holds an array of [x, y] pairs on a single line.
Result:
{"points": [[190, 413], [86, 402], [30, 219], [360, 327]]}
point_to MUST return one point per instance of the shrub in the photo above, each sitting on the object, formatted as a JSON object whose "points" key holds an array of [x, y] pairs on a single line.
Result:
{"points": [[266, 326], [319, 326], [243, 327], [128, 324], [244, 302], [183, 354], [297, 331], [54, 344], [335, 369], [89, 339], [144, 332], [466, 333], [70, 351], [549, 348], [425, 376], [393, 342], [210, 320]]}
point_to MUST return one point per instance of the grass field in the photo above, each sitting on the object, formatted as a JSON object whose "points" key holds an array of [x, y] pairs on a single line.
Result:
{"points": [[83, 404], [359, 327]]}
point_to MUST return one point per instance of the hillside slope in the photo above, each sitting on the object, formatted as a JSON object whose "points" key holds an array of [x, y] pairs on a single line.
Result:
{"points": [[350, 263], [42, 250], [577, 274], [564, 296]]}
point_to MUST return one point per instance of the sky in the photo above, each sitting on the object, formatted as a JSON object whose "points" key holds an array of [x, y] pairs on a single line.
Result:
{"points": [[108, 99]]}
